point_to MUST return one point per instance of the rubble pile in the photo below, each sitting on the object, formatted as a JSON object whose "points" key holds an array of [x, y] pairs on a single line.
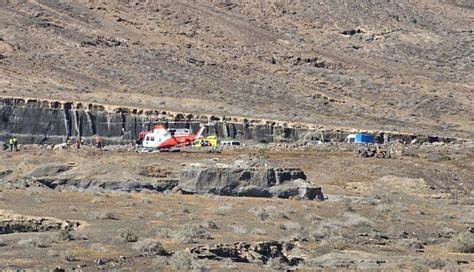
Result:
{"points": [[377, 151]]}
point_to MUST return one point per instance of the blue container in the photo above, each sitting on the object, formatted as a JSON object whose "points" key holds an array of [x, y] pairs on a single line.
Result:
{"points": [[364, 138]]}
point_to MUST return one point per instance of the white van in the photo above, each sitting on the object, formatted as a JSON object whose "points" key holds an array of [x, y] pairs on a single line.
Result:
{"points": [[230, 143]]}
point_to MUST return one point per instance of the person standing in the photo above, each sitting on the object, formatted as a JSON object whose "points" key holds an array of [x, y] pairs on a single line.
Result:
{"points": [[78, 142], [15, 143], [10, 142], [98, 142]]}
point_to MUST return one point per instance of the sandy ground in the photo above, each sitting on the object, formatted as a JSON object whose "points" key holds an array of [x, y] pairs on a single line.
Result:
{"points": [[380, 213]]}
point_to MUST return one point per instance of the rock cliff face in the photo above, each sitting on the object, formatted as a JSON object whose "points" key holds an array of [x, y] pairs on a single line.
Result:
{"points": [[43, 121]]}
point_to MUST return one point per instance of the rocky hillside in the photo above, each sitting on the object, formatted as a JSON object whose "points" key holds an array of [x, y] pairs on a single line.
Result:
{"points": [[402, 65]]}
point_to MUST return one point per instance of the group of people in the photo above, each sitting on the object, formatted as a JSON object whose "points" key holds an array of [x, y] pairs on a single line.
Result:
{"points": [[79, 141], [12, 144]]}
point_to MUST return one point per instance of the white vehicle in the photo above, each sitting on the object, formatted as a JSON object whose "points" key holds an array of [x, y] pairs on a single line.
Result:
{"points": [[230, 143]]}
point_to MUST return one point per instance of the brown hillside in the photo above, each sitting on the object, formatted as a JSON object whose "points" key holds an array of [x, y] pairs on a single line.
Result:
{"points": [[402, 65]]}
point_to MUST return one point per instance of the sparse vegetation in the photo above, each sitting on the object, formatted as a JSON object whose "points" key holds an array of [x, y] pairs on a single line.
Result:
{"points": [[290, 226], [258, 232], [127, 235], [276, 264], [98, 200], [64, 235], [463, 243], [326, 229], [34, 242], [186, 210], [239, 229], [146, 200], [412, 244], [69, 256], [337, 241], [223, 210], [150, 246], [164, 233], [104, 215], [190, 233], [52, 253], [210, 224], [185, 261], [356, 220], [325, 235]]}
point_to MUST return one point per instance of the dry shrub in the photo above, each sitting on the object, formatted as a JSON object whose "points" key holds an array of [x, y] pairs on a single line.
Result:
{"points": [[130, 203], [164, 233], [290, 226], [356, 220], [64, 235], [67, 234], [210, 224], [39, 200], [265, 213], [239, 229], [34, 242], [99, 248], [52, 253], [335, 242], [126, 235], [190, 233], [463, 243], [276, 264], [145, 200], [326, 229], [185, 261], [258, 232], [98, 200], [186, 210], [412, 243], [222, 210], [68, 255], [103, 215], [151, 246]]}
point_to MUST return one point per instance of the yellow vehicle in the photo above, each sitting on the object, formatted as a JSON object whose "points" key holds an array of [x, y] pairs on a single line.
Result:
{"points": [[208, 141]]}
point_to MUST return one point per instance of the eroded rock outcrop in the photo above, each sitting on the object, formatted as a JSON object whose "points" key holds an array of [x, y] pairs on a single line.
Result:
{"points": [[258, 252], [247, 179], [12, 223], [108, 185]]}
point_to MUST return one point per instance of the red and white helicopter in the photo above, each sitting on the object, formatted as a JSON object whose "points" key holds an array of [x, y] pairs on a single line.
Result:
{"points": [[167, 138]]}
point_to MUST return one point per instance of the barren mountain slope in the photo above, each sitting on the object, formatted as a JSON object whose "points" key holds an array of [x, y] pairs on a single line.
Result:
{"points": [[402, 65]]}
